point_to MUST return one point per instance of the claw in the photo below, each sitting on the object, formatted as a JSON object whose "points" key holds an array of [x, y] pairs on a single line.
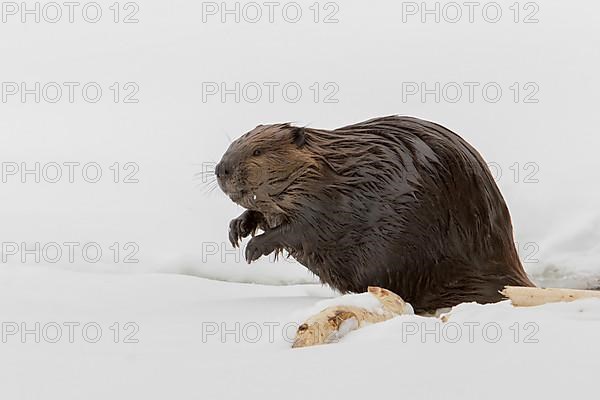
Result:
{"points": [[252, 252], [233, 235], [243, 226], [247, 254]]}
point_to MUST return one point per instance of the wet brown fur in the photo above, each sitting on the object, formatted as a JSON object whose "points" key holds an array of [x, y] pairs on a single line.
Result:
{"points": [[395, 202]]}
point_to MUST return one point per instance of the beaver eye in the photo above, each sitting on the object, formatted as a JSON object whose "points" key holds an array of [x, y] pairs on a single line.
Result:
{"points": [[257, 152]]}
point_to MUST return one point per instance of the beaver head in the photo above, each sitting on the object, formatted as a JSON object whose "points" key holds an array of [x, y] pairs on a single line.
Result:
{"points": [[260, 170]]}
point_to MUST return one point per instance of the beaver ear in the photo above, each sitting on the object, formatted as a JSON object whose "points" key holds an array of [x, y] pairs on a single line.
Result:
{"points": [[299, 137]]}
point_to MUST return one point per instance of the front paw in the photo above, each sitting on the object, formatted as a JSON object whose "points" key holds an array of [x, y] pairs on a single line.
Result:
{"points": [[258, 247], [242, 226]]}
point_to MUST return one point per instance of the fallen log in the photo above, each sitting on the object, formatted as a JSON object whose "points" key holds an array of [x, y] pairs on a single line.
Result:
{"points": [[530, 296], [334, 322]]}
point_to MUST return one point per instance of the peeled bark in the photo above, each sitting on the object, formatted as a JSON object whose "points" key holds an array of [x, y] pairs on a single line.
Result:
{"points": [[333, 323], [531, 296]]}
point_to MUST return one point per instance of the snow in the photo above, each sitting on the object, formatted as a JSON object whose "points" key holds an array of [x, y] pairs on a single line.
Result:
{"points": [[362, 300], [179, 355]]}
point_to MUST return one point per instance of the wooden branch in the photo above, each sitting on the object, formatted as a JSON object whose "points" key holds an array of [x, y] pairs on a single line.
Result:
{"points": [[530, 296], [333, 323]]}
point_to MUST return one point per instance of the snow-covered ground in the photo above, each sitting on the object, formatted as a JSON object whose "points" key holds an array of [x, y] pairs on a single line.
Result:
{"points": [[191, 338]]}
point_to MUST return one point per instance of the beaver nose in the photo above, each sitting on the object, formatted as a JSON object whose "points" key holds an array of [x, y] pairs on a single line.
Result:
{"points": [[222, 170]]}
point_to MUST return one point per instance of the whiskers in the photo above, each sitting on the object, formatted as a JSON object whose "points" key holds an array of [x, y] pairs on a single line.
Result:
{"points": [[206, 180]]}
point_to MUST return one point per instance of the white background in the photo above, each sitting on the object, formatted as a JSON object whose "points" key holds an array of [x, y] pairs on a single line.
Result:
{"points": [[171, 133]]}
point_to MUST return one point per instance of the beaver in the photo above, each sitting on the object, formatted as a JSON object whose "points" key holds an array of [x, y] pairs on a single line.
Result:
{"points": [[395, 202]]}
